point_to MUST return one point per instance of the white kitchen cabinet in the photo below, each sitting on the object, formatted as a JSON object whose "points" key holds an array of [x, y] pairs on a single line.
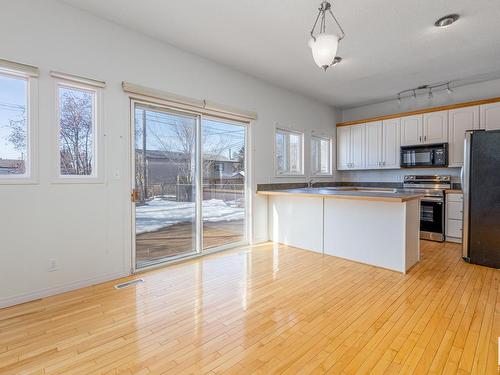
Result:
{"points": [[374, 145], [358, 146], [351, 147], [435, 127], [411, 130], [454, 217], [343, 148], [460, 120], [391, 140], [424, 129], [490, 116]]}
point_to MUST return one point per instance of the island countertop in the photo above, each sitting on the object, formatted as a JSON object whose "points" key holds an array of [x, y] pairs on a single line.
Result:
{"points": [[347, 192]]}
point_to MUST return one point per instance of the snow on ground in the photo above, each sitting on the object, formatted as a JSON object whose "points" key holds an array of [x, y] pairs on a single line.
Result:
{"points": [[159, 213]]}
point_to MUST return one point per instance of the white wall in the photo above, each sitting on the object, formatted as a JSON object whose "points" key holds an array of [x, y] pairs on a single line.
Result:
{"points": [[87, 227], [477, 91]]}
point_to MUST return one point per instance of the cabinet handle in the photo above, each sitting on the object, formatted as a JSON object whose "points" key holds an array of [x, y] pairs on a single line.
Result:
{"points": [[420, 138], [425, 137]]}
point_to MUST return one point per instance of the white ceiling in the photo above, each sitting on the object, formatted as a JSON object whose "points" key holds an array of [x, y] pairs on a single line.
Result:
{"points": [[390, 45]]}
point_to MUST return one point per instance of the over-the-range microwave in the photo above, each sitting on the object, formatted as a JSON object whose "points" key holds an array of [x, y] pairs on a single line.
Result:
{"points": [[418, 156]]}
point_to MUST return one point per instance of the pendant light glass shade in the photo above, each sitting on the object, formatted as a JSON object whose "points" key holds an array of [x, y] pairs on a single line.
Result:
{"points": [[324, 49]]}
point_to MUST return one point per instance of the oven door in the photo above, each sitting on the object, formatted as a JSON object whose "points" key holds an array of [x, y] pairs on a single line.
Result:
{"points": [[432, 218]]}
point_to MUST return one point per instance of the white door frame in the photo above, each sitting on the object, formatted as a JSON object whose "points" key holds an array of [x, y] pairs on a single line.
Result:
{"points": [[199, 186]]}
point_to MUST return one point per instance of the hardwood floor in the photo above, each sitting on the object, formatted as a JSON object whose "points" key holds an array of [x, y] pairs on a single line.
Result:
{"points": [[264, 310]]}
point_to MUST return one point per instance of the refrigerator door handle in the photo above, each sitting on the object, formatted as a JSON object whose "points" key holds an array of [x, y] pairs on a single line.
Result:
{"points": [[465, 180]]}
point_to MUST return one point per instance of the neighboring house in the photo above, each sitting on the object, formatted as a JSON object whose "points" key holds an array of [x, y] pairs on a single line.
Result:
{"points": [[169, 173], [11, 166]]}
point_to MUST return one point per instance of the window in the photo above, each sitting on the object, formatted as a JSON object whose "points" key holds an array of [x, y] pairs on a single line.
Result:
{"points": [[17, 128], [79, 131], [289, 152], [321, 156]]}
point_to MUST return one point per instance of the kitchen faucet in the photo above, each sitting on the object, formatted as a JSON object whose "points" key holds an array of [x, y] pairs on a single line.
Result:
{"points": [[310, 183]]}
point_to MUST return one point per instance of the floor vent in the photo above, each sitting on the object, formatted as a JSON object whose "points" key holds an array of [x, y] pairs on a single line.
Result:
{"points": [[128, 283]]}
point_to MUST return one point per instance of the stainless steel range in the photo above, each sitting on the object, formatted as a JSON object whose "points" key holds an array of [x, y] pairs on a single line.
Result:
{"points": [[432, 204]]}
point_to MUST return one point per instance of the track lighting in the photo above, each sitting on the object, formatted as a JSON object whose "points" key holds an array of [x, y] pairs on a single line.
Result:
{"points": [[424, 89]]}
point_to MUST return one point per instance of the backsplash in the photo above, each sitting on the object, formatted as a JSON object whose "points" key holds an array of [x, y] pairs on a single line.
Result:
{"points": [[395, 175]]}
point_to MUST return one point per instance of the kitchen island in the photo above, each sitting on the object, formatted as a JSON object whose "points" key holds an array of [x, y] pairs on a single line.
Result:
{"points": [[375, 226]]}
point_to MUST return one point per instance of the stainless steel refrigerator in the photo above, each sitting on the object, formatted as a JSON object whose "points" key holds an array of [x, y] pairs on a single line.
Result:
{"points": [[481, 187]]}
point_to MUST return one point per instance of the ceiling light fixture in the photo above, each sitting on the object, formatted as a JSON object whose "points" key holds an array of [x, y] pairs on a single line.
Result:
{"points": [[324, 45], [446, 20]]}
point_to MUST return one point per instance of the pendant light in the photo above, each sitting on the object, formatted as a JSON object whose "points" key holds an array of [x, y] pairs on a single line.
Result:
{"points": [[324, 45]]}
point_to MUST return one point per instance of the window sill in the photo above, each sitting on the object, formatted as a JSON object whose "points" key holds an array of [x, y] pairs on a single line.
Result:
{"points": [[19, 181], [77, 180], [290, 175]]}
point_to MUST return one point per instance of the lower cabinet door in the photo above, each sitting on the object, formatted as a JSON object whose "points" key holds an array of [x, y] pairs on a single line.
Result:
{"points": [[454, 228]]}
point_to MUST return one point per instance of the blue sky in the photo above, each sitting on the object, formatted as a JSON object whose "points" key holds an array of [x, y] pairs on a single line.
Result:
{"points": [[13, 97]]}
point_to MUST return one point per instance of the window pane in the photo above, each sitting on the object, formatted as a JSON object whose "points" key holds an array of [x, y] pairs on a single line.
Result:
{"points": [[76, 136], [13, 126], [295, 153], [165, 175], [281, 159], [315, 155], [224, 200], [325, 156]]}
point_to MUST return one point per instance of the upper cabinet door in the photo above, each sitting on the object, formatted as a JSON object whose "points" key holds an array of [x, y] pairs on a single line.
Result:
{"points": [[490, 116], [461, 120], [358, 146], [391, 140], [411, 130], [374, 145], [435, 127], [343, 147]]}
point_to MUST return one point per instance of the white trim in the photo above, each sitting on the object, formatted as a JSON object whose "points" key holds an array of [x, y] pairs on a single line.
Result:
{"points": [[48, 292], [31, 175], [288, 131], [200, 106], [330, 149], [78, 79], [198, 251], [19, 68], [97, 176]]}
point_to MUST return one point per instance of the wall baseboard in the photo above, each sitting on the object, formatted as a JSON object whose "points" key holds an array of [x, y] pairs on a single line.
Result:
{"points": [[48, 292]]}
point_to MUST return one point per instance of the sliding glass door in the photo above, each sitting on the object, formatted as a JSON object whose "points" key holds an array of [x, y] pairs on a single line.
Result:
{"points": [[189, 184], [224, 196]]}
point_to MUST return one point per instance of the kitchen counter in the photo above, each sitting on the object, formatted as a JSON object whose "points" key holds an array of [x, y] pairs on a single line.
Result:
{"points": [[376, 226], [347, 192]]}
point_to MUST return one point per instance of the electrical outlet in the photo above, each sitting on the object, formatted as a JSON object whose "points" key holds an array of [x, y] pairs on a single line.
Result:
{"points": [[53, 265]]}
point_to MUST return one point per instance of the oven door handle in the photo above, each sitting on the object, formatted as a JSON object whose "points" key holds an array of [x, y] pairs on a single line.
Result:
{"points": [[431, 199]]}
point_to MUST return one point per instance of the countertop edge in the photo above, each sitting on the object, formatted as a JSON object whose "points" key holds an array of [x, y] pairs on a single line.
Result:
{"points": [[453, 191], [342, 196]]}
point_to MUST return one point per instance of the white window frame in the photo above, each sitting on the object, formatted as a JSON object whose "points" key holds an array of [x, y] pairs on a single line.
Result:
{"points": [[287, 133], [95, 87], [30, 74], [330, 143]]}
